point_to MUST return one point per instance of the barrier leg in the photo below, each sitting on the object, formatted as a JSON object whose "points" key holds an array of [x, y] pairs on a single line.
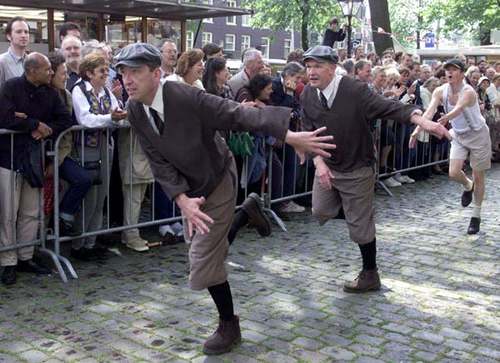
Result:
{"points": [[268, 195], [57, 263], [384, 187], [277, 219], [68, 266]]}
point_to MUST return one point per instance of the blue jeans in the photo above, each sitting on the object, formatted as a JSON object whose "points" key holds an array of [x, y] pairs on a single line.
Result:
{"points": [[164, 208], [290, 163], [79, 184]]}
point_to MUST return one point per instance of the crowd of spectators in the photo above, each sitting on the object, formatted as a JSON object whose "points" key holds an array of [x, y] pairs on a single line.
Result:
{"points": [[108, 164]]}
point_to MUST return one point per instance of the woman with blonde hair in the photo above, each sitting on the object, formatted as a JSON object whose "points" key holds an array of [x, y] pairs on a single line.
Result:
{"points": [[94, 106], [189, 69]]}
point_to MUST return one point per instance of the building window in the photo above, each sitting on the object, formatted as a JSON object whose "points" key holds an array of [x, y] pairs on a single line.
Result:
{"points": [[265, 42], [206, 38], [245, 42], [231, 20], [189, 40], [245, 20], [287, 46], [229, 43]]}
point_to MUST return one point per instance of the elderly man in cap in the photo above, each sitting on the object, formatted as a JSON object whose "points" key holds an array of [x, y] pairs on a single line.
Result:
{"points": [[177, 127], [470, 133], [345, 180]]}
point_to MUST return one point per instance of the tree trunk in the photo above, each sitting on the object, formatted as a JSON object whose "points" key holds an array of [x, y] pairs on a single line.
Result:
{"points": [[379, 10], [304, 24], [484, 35]]}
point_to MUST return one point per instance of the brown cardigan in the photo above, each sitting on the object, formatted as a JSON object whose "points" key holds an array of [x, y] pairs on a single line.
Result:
{"points": [[349, 119], [190, 157]]}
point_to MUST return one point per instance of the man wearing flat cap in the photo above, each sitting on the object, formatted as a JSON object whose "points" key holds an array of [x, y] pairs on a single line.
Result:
{"points": [[345, 180], [177, 127], [471, 136]]}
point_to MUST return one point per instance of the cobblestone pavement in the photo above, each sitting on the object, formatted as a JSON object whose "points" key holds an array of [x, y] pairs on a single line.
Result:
{"points": [[440, 299]]}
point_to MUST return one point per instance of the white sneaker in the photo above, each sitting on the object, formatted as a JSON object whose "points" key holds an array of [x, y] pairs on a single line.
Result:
{"points": [[166, 228], [407, 179], [399, 178], [391, 182], [138, 245], [177, 229], [292, 207]]}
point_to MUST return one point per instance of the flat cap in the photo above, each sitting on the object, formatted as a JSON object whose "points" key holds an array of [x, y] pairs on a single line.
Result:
{"points": [[483, 78], [321, 53], [138, 54], [457, 63]]}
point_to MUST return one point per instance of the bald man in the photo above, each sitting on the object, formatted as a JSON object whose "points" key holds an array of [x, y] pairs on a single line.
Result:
{"points": [[28, 105]]}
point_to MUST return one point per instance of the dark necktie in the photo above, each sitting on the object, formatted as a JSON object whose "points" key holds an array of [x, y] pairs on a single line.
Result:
{"points": [[324, 101], [156, 118]]}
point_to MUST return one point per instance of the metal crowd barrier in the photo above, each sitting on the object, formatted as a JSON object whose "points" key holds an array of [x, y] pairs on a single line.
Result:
{"points": [[295, 182], [428, 152], [80, 132], [42, 237]]}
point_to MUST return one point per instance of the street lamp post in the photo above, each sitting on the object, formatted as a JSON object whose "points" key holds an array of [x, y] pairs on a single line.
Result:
{"points": [[349, 9]]}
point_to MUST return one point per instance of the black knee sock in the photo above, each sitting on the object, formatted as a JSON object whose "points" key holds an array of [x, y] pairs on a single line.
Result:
{"points": [[221, 294], [369, 255], [240, 220]]}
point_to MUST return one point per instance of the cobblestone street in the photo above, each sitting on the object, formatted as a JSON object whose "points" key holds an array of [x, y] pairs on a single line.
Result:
{"points": [[440, 299]]}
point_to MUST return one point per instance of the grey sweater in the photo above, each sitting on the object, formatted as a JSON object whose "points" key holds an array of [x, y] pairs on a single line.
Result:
{"points": [[348, 120]]}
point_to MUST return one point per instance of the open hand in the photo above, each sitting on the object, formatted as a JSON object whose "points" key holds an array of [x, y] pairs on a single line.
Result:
{"points": [[310, 142], [195, 218]]}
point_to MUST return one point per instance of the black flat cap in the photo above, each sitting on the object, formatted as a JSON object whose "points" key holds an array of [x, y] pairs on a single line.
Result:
{"points": [[455, 63], [138, 54], [321, 53]]}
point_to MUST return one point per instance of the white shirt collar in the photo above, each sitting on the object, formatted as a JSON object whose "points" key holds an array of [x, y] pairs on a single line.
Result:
{"points": [[157, 104], [331, 90], [89, 88]]}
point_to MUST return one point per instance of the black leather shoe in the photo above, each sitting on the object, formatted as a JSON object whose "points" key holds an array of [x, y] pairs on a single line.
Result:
{"points": [[170, 239], [257, 218], [467, 196], [9, 275], [66, 228], [32, 267], [474, 225]]}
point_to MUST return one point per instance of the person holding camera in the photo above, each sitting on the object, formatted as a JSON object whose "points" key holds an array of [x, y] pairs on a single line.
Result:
{"points": [[334, 33]]}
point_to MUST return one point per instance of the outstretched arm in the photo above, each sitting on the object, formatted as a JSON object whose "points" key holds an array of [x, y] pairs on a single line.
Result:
{"points": [[424, 122], [310, 142]]}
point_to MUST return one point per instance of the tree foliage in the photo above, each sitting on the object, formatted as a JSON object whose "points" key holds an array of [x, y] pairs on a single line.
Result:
{"points": [[454, 16], [464, 16], [405, 20], [303, 15]]}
